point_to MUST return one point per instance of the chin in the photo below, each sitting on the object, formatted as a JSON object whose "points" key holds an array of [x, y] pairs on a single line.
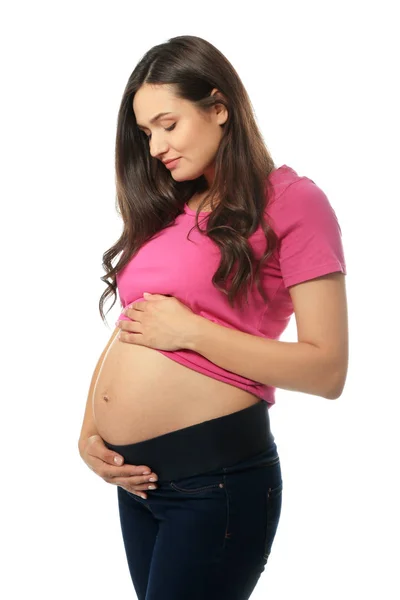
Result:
{"points": [[182, 177], [186, 177]]}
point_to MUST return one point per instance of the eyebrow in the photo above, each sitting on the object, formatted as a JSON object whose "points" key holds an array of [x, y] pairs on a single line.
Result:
{"points": [[161, 114]]}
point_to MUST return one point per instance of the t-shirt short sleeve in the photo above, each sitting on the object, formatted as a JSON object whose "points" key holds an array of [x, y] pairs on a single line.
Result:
{"points": [[310, 243]]}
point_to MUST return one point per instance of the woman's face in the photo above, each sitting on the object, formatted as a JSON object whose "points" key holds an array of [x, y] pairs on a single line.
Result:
{"points": [[194, 137]]}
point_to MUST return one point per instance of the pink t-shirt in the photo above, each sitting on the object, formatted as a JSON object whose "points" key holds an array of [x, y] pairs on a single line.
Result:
{"points": [[309, 245]]}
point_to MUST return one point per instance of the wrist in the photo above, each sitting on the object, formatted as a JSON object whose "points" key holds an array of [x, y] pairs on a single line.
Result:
{"points": [[82, 443], [195, 332]]}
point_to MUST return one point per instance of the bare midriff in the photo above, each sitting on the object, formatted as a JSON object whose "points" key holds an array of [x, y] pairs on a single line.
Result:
{"points": [[140, 394]]}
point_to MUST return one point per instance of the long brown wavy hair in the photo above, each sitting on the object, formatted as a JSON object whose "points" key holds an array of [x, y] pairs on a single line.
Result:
{"points": [[149, 199]]}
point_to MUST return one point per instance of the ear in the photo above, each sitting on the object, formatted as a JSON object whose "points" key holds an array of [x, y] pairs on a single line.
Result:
{"points": [[220, 109]]}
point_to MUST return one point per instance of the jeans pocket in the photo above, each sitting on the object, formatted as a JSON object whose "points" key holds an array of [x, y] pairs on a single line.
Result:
{"points": [[197, 484], [274, 506]]}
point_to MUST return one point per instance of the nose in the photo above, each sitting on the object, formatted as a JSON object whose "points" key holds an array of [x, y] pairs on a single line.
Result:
{"points": [[158, 149]]}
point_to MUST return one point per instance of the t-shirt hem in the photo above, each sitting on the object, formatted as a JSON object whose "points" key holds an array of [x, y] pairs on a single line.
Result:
{"points": [[307, 274]]}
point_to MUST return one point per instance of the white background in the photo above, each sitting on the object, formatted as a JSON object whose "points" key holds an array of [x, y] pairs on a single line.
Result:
{"points": [[322, 78]]}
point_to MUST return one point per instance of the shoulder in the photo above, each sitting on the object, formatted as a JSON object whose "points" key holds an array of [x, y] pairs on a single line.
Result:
{"points": [[297, 200]]}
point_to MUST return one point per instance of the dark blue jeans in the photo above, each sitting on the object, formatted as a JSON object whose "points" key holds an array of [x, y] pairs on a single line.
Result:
{"points": [[207, 536]]}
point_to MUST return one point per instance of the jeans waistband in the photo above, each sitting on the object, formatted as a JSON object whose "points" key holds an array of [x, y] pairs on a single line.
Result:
{"points": [[203, 447]]}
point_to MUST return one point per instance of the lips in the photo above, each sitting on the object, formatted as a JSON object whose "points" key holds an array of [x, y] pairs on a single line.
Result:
{"points": [[172, 164], [170, 160]]}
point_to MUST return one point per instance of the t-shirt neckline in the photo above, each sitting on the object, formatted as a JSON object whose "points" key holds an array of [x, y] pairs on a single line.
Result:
{"points": [[190, 211]]}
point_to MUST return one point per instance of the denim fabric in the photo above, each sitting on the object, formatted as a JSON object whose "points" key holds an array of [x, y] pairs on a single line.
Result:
{"points": [[204, 537]]}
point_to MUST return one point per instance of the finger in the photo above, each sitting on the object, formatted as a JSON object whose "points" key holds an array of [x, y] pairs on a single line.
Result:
{"points": [[127, 484], [139, 490], [130, 327], [116, 476], [98, 449], [113, 458], [140, 494], [130, 338]]}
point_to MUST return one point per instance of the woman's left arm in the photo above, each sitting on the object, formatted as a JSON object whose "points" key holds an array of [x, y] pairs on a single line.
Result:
{"points": [[316, 364]]}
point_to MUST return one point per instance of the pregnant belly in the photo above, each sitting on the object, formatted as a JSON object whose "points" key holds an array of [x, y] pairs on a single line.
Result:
{"points": [[140, 394]]}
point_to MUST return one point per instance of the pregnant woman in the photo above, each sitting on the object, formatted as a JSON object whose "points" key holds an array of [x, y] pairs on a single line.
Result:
{"points": [[184, 387]]}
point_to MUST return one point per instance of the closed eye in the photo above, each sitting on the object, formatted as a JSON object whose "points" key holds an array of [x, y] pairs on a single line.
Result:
{"points": [[167, 129]]}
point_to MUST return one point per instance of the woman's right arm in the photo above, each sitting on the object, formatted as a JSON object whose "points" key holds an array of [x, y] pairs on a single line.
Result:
{"points": [[88, 425], [99, 458]]}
